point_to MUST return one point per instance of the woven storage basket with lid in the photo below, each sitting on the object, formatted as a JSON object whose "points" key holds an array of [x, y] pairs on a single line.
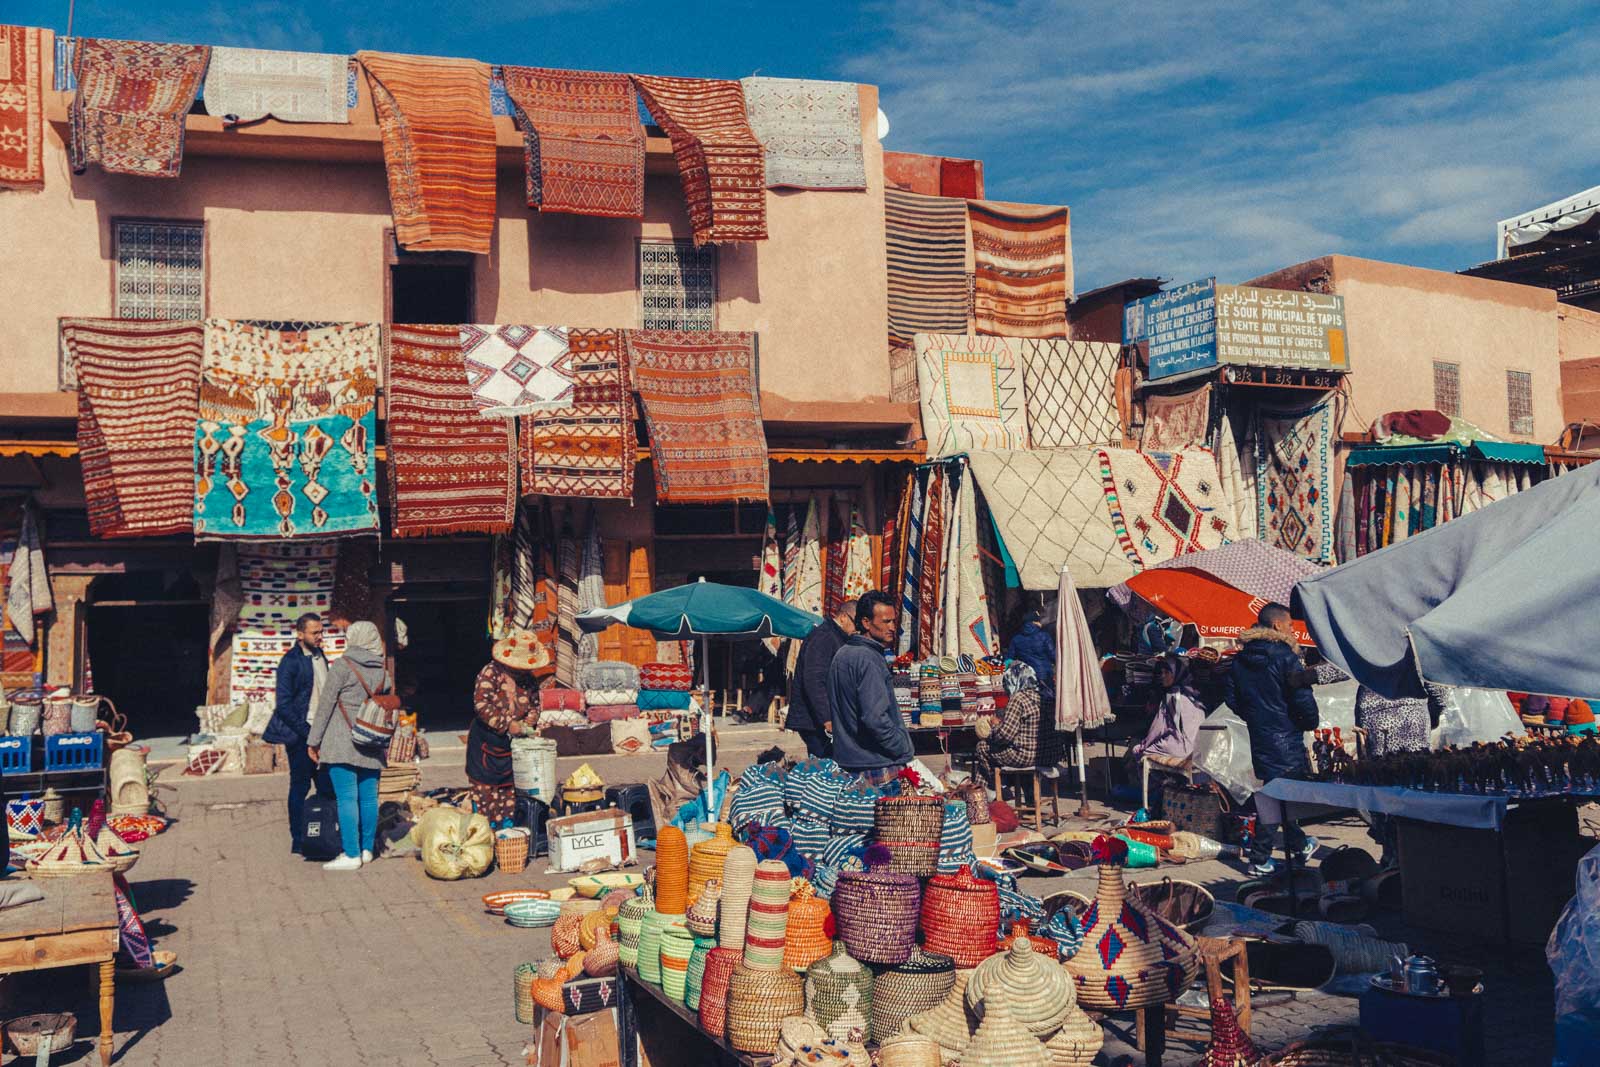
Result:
{"points": [[1002, 1041], [1035, 987], [907, 989], [910, 827], [702, 914], [720, 965], [1130, 957], [839, 993], [909, 1050], [706, 858], [949, 1022], [565, 937], [629, 919], [758, 1002], [769, 916], [806, 939], [960, 914], [1077, 1043], [1230, 1046], [672, 871], [590, 926], [695, 977], [738, 879], [876, 914], [677, 945]]}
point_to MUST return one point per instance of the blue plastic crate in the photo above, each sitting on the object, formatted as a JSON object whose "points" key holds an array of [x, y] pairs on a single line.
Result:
{"points": [[16, 755], [74, 752]]}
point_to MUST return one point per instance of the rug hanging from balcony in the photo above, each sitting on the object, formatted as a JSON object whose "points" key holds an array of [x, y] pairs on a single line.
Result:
{"points": [[1020, 255], [971, 393], [278, 583], [811, 131], [1173, 423], [926, 242], [858, 576], [567, 572], [246, 84], [791, 553], [21, 109], [587, 449], [720, 162], [138, 384], [1071, 392], [833, 558], [931, 571], [1294, 480], [283, 447], [127, 115], [911, 561], [969, 629], [517, 370], [450, 463], [1164, 504], [703, 411], [808, 592], [583, 139], [21, 663], [438, 149], [591, 587]]}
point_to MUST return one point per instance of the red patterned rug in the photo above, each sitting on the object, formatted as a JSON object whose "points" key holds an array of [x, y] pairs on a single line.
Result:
{"points": [[588, 449], [722, 165], [450, 464], [1020, 288], [703, 413], [585, 144], [21, 109], [127, 116], [138, 401]]}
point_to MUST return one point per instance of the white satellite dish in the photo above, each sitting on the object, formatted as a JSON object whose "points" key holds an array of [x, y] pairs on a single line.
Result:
{"points": [[883, 124]]}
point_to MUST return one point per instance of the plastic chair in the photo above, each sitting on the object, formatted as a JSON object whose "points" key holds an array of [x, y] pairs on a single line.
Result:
{"points": [[1162, 763]]}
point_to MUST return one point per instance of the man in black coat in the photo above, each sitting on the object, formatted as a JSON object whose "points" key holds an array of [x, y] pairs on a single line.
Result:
{"points": [[869, 736], [809, 714], [300, 676], [1266, 689]]}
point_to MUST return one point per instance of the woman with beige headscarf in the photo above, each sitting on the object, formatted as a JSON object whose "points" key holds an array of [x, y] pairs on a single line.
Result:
{"points": [[360, 673]]}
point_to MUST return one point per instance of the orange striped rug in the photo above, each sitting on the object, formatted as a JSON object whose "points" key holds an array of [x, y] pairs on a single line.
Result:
{"points": [[138, 402], [1020, 254], [722, 165], [438, 149], [703, 413], [585, 144], [21, 109]]}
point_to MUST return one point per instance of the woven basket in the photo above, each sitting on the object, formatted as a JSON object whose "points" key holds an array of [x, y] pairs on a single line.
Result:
{"points": [[1351, 1049], [511, 849], [839, 993], [649, 961], [702, 914], [27, 1033], [552, 967], [1044, 946], [677, 945], [522, 991], [960, 914], [707, 857], [694, 978], [908, 1050], [1077, 1043], [949, 1022], [910, 827], [876, 914], [806, 939], [594, 925], [547, 992], [909, 989], [564, 937], [1035, 988], [1130, 957], [738, 879], [1229, 1046], [1185, 904], [758, 1002], [1001, 1040], [601, 961], [769, 917], [720, 965], [630, 917], [672, 871]]}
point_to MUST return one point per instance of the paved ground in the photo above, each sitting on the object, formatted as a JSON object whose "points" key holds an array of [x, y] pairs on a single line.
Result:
{"points": [[286, 964]]}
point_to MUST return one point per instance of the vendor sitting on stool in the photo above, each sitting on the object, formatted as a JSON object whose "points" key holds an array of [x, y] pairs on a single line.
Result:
{"points": [[505, 699], [1023, 736], [1176, 727]]}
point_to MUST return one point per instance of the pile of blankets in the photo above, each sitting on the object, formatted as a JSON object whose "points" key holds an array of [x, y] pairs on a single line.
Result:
{"points": [[610, 690], [665, 687]]}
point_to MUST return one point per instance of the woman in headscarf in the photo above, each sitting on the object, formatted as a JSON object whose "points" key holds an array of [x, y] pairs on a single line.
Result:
{"points": [[1022, 736], [1176, 726], [359, 674], [505, 699]]}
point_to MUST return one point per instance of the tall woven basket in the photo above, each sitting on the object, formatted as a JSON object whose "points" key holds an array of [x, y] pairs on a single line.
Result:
{"points": [[769, 916], [910, 827], [876, 914], [720, 965], [511, 849], [758, 1002], [1130, 957], [806, 940], [960, 916], [522, 991], [909, 989], [839, 993]]}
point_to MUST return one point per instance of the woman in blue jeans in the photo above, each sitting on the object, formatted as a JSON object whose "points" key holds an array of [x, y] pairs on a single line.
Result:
{"points": [[352, 771]]}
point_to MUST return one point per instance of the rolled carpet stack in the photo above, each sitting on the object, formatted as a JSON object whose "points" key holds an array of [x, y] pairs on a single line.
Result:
{"points": [[663, 700], [610, 712], [738, 879], [769, 917]]}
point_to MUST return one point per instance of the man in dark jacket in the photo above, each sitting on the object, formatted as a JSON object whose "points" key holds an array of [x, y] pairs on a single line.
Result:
{"points": [[808, 699], [1035, 645], [869, 736], [301, 673], [1266, 689]]}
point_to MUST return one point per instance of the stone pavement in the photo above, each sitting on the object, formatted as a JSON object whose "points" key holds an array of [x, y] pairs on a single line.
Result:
{"points": [[283, 963]]}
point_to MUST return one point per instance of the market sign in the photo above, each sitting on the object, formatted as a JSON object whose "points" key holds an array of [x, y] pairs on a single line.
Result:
{"points": [[1203, 324]]}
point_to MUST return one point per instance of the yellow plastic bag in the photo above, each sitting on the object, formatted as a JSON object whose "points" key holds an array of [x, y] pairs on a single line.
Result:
{"points": [[455, 843]]}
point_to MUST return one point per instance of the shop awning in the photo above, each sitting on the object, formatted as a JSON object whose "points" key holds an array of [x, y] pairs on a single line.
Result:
{"points": [[1508, 452], [1444, 452]]}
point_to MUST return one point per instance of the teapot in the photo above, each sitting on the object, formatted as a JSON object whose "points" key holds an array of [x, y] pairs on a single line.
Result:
{"points": [[1415, 974]]}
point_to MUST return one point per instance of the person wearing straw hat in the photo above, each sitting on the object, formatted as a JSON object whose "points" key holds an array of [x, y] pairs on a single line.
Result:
{"points": [[505, 700]]}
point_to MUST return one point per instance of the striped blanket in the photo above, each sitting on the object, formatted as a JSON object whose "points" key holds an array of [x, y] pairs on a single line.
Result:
{"points": [[721, 164], [438, 149], [926, 243], [138, 393], [584, 142], [21, 109], [127, 115], [586, 450], [1020, 254], [450, 464]]}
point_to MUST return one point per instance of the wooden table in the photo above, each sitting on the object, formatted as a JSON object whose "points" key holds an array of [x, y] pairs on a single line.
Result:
{"points": [[75, 923]]}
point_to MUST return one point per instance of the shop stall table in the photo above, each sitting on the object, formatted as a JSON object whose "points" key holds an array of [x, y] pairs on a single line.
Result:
{"points": [[675, 1037], [75, 923]]}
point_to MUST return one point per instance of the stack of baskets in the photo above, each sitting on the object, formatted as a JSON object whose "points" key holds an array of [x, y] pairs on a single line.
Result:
{"points": [[630, 918], [677, 945], [769, 917], [1000, 1041], [707, 857], [694, 979], [876, 914], [720, 965], [960, 917], [910, 827], [672, 871]]}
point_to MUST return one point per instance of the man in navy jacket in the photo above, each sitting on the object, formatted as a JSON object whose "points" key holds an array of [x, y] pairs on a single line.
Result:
{"points": [[301, 673], [869, 737], [808, 698]]}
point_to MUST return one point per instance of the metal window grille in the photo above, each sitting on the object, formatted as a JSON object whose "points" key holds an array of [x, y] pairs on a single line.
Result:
{"points": [[1519, 400], [160, 269], [1447, 387], [677, 286]]}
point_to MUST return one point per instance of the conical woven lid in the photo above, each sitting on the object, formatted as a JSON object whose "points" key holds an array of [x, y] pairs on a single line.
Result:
{"points": [[1002, 1041], [948, 1022], [1229, 1047], [1037, 990], [1130, 956]]}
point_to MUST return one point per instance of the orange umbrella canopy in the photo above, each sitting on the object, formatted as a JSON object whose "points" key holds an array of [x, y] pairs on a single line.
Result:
{"points": [[1192, 596]]}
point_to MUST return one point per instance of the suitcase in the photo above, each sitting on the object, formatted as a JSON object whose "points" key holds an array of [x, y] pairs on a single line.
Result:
{"points": [[321, 839]]}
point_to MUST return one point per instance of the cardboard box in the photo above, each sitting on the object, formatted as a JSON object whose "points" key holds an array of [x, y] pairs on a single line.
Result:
{"points": [[579, 1041], [576, 839]]}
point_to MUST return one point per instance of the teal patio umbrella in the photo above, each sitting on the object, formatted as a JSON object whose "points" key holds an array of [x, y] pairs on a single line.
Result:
{"points": [[701, 610]]}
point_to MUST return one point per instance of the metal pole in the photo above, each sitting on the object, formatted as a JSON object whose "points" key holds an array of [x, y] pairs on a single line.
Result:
{"points": [[705, 725]]}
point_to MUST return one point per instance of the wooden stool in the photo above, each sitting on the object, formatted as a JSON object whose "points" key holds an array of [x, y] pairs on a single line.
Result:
{"points": [[1025, 774]]}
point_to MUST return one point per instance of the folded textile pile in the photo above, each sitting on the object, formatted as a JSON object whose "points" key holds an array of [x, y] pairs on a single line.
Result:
{"points": [[664, 700], [666, 677]]}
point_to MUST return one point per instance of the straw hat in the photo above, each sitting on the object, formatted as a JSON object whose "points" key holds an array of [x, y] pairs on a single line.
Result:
{"points": [[521, 651]]}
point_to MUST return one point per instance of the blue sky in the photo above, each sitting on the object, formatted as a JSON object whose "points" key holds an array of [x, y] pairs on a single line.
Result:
{"points": [[1188, 138]]}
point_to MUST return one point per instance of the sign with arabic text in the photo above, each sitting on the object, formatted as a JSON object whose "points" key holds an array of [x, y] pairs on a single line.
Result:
{"points": [[1180, 326], [1280, 328]]}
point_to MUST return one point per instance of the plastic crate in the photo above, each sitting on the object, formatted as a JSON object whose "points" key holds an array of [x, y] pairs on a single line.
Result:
{"points": [[74, 752], [16, 755]]}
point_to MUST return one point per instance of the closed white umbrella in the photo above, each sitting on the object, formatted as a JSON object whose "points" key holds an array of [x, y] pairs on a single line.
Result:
{"points": [[1081, 698]]}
